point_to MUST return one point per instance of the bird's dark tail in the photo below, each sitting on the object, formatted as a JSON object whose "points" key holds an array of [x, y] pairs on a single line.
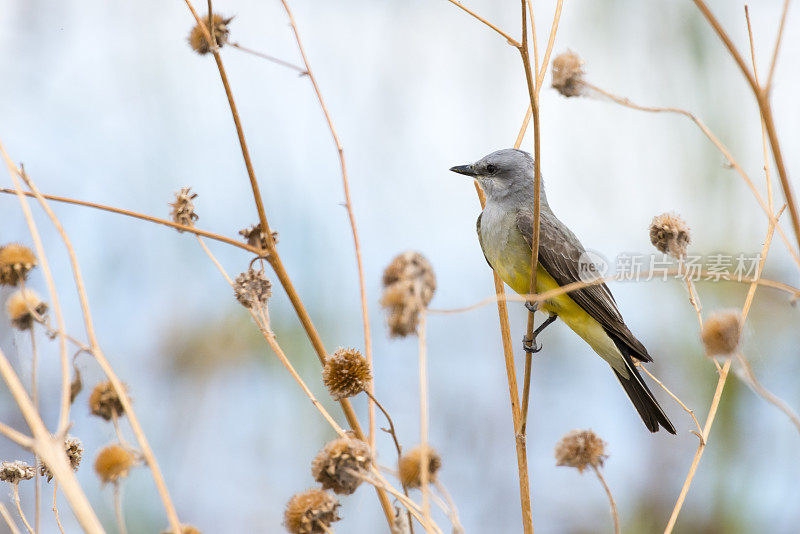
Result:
{"points": [[643, 399]]}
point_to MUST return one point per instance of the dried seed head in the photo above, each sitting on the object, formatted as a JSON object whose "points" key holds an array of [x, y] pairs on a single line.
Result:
{"points": [[721, 333], [185, 529], [409, 284], [183, 207], [410, 467], [670, 234], [256, 238], [74, 450], [252, 287], [346, 373], [568, 73], [22, 306], [580, 449], [310, 512], [104, 401], [113, 463], [198, 40], [336, 463], [15, 262], [16, 472]]}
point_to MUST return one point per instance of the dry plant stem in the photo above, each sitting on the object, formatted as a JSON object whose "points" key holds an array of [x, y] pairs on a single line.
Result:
{"points": [[674, 397], [63, 417], [717, 143], [513, 391], [12, 527], [508, 38], [55, 508], [35, 397], [452, 512], [723, 376], [144, 217], [19, 509], [423, 419], [273, 59], [694, 300], [613, 504], [16, 436], [550, 42], [51, 450], [350, 215], [261, 317], [102, 361], [764, 105], [118, 509], [766, 394], [778, 39]]}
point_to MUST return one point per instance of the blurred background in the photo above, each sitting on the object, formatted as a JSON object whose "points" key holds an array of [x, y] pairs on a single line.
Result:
{"points": [[104, 101]]}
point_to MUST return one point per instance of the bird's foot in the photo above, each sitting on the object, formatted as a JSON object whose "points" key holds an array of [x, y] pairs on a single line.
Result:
{"points": [[532, 306], [530, 346]]}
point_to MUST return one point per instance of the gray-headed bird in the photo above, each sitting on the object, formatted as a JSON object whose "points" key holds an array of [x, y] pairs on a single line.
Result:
{"points": [[505, 227]]}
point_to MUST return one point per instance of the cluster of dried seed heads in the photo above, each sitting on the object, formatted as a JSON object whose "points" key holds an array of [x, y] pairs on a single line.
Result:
{"points": [[568, 74], [257, 238], [197, 37], [16, 472], [346, 373], [252, 287], [74, 450], [113, 463], [183, 207], [721, 333], [104, 401], [338, 464], [23, 306], [410, 466], [16, 261], [670, 234], [581, 449], [311, 512], [408, 287]]}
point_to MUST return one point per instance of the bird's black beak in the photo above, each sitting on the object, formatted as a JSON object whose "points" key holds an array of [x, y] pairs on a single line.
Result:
{"points": [[466, 170]]}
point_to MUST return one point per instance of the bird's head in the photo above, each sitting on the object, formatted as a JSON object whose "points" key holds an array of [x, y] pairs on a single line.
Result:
{"points": [[502, 172]]}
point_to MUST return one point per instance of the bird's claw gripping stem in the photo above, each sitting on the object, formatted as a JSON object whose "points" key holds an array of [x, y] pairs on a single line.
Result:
{"points": [[530, 346], [532, 306]]}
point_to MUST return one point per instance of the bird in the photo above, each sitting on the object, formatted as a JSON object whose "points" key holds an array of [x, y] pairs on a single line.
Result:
{"points": [[505, 229]]}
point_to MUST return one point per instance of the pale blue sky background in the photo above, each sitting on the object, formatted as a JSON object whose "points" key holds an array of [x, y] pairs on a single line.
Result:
{"points": [[103, 101]]}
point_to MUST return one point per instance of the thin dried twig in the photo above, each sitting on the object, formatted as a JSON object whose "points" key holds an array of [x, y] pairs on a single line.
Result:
{"points": [[19, 509], [8, 519], [423, 419], [766, 394], [55, 507], [611, 501], [118, 508], [350, 215], [508, 38], [699, 432], [273, 59]]}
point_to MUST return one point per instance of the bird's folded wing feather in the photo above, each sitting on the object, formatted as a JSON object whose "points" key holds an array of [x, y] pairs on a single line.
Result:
{"points": [[559, 254]]}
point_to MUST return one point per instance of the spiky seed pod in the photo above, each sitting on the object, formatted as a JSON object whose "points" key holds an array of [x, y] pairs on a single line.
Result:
{"points": [[311, 512], [581, 449], [16, 472], [104, 401], [335, 463], [197, 38], [22, 306], [721, 333], [670, 234], [16, 261], [346, 373], [568, 74], [185, 529], [257, 238], [113, 463], [410, 466], [183, 207], [252, 287], [74, 450], [409, 284]]}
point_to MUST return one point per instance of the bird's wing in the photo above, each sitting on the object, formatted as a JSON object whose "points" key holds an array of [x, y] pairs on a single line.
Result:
{"points": [[559, 254], [480, 240]]}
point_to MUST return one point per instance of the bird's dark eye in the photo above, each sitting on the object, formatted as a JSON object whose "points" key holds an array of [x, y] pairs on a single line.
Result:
{"points": [[491, 169]]}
